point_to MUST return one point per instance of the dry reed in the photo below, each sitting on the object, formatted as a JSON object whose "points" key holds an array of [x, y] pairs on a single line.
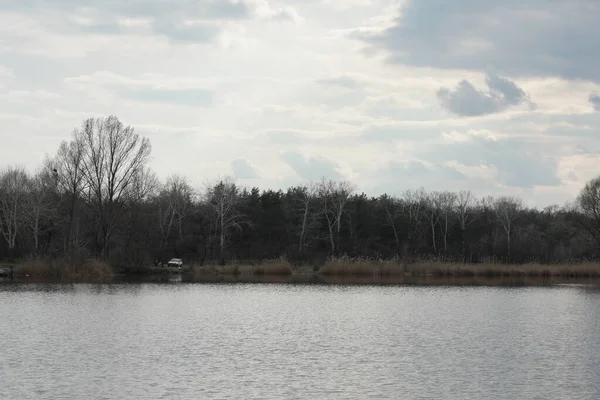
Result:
{"points": [[361, 267], [346, 266], [89, 269], [278, 266], [498, 269]]}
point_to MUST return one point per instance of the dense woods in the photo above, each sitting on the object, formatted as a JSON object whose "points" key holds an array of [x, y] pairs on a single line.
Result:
{"points": [[96, 197]]}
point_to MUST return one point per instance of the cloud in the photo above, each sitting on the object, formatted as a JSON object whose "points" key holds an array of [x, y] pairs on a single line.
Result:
{"points": [[515, 38], [187, 21], [198, 79], [177, 30], [465, 100], [518, 162], [243, 169], [341, 81], [594, 99], [417, 170], [190, 97], [311, 168]]}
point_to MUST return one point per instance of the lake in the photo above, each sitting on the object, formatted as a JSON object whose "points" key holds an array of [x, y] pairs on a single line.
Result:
{"points": [[299, 341]]}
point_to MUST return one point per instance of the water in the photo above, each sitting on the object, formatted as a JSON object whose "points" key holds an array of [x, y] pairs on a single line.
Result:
{"points": [[279, 341]]}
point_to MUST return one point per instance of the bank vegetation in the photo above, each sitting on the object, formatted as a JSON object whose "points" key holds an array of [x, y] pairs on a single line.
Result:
{"points": [[95, 206]]}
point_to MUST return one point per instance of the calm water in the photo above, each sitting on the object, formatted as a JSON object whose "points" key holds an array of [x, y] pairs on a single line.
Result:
{"points": [[278, 341]]}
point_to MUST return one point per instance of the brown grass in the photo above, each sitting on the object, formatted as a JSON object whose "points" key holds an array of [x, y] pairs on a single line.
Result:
{"points": [[279, 266], [89, 269], [497, 269], [346, 266]]}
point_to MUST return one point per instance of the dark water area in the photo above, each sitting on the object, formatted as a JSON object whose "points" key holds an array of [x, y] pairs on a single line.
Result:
{"points": [[342, 338]]}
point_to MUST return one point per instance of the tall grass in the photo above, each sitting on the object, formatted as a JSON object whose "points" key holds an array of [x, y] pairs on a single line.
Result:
{"points": [[278, 266], [88, 269], [361, 267], [497, 269], [346, 266]]}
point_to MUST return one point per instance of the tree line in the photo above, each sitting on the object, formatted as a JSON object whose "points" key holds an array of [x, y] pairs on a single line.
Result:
{"points": [[97, 197]]}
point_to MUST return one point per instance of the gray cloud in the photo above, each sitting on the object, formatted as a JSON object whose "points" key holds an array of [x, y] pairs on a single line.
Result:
{"points": [[393, 133], [313, 168], [167, 18], [243, 169], [466, 100], [417, 170], [228, 9], [595, 100], [341, 81], [175, 30], [188, 97], [214, 9], [514, 38], [285, 136], [517, 161]]}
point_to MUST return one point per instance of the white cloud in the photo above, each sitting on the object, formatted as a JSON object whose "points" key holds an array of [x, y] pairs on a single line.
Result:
{"points": [[281, 91]]}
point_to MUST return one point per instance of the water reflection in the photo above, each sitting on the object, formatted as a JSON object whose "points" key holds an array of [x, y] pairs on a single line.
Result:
{"points": [[317, 338], [588, 283]]}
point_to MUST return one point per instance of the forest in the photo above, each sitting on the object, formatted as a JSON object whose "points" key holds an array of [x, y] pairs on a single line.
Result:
{"points": [[96, 197]]}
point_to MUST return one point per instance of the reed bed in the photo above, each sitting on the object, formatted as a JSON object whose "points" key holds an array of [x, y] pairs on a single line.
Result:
{"points": [[498, 269], [88, 269], [346, 266], [279, 266]]}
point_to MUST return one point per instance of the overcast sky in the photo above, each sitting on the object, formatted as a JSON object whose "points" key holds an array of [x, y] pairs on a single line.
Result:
{"points": [[496, 97]]}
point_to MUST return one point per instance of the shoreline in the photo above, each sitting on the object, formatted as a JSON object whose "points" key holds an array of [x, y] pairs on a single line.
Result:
{"points": [[316, 279], [342, 270]]}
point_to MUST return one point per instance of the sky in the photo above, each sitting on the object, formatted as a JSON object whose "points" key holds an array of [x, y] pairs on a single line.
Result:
{"points": [[500, 98]]}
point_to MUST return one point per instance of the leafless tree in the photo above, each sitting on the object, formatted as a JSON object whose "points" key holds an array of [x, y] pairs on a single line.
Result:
{"points": [[13, 197], [41, 204], [175, 204], [393, 210], [588, 204], [114, 156], [224, 197], [445, 202], [144, 185], [465, 202], [68, 164], [334, 197], [465, 214], [304, 203], [507, 210], [413, 209], [432, 214]]}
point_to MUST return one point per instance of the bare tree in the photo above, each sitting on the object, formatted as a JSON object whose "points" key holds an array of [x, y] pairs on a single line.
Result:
{"points": [[588, 204], [143, 187], [465, 202], [334, 197], [175, 204], [114, 156], [445, 202], [413, 210], [68, 164], [41, 204], [507, 210], [225, 199], [432, 214], [13, 196], [304, 203], [392, 209]]}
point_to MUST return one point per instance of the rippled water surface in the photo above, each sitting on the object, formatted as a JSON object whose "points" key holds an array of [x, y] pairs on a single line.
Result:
{"points": [[277, 341]]}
